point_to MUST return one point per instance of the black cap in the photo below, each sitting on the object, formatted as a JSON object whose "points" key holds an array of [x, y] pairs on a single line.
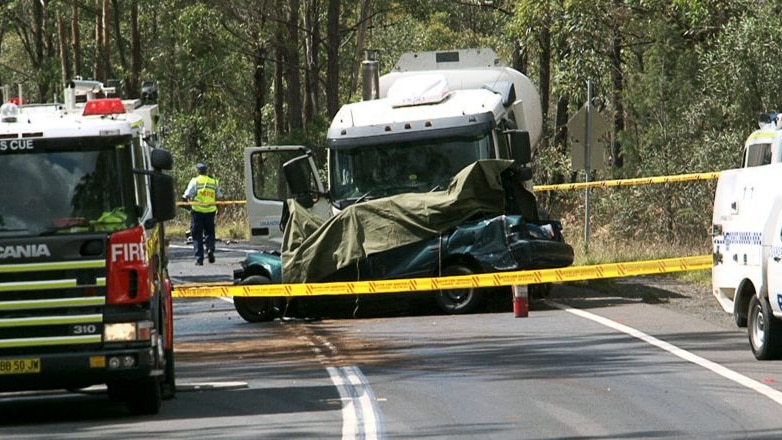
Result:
{"points": [[200, 166]]}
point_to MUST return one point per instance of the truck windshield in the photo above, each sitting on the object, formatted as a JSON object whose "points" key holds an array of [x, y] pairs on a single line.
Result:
{"points": [[388, 169], [62, 191]]}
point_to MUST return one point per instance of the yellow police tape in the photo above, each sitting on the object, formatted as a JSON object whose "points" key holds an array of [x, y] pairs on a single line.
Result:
{"points": [[573, 273], [563, 186], [219, 202], [628, 182]]}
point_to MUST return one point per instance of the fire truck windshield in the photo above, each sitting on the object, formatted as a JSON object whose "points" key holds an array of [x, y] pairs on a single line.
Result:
{"points": [[387, 169], [62, 191]]}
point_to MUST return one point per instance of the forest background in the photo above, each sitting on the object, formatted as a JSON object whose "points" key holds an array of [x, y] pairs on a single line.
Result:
{"points": [[681, 81]]}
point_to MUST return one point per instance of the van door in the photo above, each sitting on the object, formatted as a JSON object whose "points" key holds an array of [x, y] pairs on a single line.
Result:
{"points": [[774, 266], [266, 188]]}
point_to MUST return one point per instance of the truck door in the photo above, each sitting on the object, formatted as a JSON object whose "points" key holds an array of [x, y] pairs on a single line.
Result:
{"points": [[774, 266], [266, 188]]}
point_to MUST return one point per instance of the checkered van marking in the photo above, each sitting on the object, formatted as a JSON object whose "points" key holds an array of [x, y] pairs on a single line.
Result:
{"points": [[745, 238]]}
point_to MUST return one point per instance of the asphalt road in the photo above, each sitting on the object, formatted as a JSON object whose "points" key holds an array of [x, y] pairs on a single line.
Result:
{"points": [[585, 365]]}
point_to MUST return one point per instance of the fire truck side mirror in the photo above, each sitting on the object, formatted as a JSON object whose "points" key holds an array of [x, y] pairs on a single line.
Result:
{"points": [[163, 196], [161, 159]]}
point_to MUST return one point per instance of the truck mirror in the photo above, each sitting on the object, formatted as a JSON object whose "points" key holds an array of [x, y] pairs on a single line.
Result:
{"points": [[161, 159], [297, 174], [520, 148], [163, 196]]}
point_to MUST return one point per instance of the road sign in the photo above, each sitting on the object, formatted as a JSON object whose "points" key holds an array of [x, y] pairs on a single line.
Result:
{"points": [[599, 137]]}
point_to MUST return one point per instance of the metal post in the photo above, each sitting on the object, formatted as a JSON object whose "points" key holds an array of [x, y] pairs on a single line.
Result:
{"points": [[587, 165]]}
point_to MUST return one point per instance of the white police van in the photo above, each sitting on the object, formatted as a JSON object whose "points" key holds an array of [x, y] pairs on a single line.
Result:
{"points": [[747, 240]]}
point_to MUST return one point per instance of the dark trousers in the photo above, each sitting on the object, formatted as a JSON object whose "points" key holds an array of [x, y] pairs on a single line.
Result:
{"points": [[203, 229]]}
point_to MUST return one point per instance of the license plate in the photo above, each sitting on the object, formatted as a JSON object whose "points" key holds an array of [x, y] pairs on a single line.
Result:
{"points": [[20, 366]]}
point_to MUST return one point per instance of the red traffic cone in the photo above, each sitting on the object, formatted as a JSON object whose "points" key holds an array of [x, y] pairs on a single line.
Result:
{"points": [[520, 301]]}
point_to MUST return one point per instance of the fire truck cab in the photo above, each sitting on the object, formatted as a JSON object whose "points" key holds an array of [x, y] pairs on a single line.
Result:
{"points": [[85, 296]]}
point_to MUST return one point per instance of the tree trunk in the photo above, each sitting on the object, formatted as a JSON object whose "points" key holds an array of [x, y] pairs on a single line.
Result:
{"points": [[117, 16], [62, 36], [545, 68], [134, 79], [332, 58], [293, 72], [98, 72], [75, 40], [279, 84], [617, 81], [38, 27], [311, 51], [361, 35], [105, 39], [259, 90]]}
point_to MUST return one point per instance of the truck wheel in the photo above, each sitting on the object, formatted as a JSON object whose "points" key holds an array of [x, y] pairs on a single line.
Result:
{"points": [[143, 397], [168, 387], [459, 301], [255, 309], [764, 330]]}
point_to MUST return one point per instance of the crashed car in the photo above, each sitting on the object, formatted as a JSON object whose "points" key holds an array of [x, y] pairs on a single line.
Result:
{"points": [[482, 223]]}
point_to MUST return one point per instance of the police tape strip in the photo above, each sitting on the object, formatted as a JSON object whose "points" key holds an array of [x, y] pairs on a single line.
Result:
{"points": [[629, 182], [573, 273], [568, 186], [219, 202]]}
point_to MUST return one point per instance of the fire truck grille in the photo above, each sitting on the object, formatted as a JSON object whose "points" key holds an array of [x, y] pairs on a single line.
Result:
{"points": [[52, 305]]}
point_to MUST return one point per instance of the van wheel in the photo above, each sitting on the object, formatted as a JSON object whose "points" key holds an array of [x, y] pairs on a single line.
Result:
{"points": [[740, 306], [764, 330], [255, 309], [459, 301]]}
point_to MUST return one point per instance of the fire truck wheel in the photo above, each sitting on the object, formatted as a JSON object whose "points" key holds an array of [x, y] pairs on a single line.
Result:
{"points": [[144, 398], [168, 387], [255, 309], [765, 331], [459, 301]]}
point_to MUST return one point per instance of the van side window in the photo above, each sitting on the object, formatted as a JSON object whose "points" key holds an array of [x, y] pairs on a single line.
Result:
{"points": [[757, 154]]}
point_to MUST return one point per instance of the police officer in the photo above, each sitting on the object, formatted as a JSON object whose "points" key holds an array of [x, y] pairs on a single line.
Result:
{"points": [[203, 191]]}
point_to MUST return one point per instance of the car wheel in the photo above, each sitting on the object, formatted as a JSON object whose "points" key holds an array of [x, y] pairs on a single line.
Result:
{"points": [[459, 301], [764, 330], [539, 291], [255, 309]]}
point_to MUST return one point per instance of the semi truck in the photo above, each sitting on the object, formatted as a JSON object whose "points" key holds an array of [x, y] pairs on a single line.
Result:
{"points": [[747, 240], [85, 296], [420, 125]]}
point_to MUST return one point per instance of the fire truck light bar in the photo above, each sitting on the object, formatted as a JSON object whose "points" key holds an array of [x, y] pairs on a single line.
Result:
{"points": [[103, 107]]}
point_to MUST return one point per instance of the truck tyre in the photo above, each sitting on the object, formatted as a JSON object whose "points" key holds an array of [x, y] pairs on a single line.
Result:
{"points": [[255, 309], [143, 397], [168, 387], [459, 301], [764, 330]]}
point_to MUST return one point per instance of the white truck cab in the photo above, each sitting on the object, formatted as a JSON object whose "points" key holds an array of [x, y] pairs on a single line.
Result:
{"points": [[432, 115]]}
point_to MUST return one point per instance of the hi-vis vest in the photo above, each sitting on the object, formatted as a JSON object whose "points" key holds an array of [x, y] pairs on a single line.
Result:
{"points": [[206, 194]]}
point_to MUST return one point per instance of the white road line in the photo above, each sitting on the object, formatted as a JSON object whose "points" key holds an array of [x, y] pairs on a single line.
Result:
{"points": [[714, 367], [361, 418]]}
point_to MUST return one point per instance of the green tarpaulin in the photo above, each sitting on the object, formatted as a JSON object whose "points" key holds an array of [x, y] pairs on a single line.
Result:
{"points": [[313, 247]]}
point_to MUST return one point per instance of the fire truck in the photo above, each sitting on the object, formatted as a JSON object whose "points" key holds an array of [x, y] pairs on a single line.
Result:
{"points": [[85, 296]]}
